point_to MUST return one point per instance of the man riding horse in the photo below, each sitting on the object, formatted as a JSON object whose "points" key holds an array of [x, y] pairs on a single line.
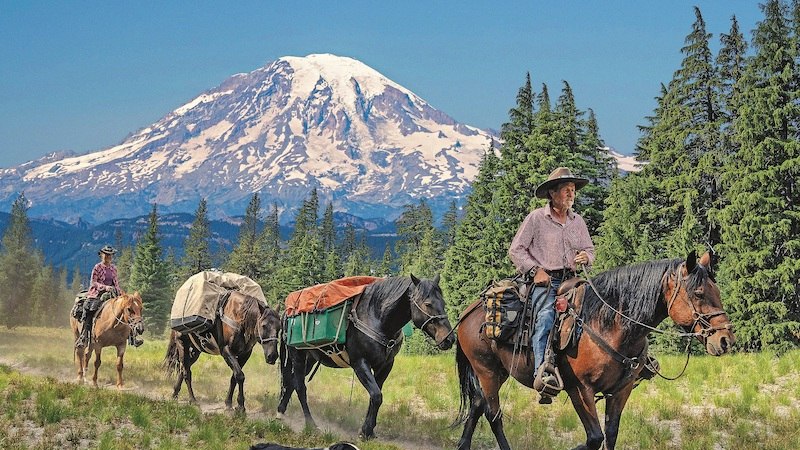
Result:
{"points": [[104, 286], [550, 245]]}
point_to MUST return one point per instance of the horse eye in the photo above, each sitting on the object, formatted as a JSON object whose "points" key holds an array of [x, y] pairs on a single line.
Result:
{"points": [[699, 293]]}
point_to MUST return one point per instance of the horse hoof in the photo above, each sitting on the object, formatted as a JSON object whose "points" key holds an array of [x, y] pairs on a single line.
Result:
{"points": [[280, 416], [366, 437]]}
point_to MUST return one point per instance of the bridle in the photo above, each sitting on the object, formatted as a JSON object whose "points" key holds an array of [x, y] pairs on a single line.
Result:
{"points": [[261, 339], [703, 320], [131, 321], [429, 318]]}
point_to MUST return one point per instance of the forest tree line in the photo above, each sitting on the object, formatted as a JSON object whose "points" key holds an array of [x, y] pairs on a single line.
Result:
{"points": [[720, 160]]}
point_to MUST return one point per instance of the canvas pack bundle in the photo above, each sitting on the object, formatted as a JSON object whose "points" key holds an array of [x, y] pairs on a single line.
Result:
{"points": [[503, 305]]}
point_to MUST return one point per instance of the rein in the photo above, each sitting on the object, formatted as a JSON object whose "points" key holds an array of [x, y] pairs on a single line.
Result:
{"points": [[130, 321]]}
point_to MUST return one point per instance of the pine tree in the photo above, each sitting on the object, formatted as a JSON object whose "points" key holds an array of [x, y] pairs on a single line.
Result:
{"points": [[271, 256], [149, 276], [761, 225], [305, 258], [18, 266], [197, 246], [244, 259], [385, 268], [449, 221], [328, 232]]}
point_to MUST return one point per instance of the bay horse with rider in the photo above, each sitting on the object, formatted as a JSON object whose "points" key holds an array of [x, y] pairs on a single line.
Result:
{"points": [[618, 310]]}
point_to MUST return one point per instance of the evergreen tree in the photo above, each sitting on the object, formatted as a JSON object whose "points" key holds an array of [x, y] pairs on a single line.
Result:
{"points": [[150, 276], [761, 224], [19, 265], [328, 232], [124, 263], [385, 268], [473, 261], [449, 221], [197, 246], [305, 258], [271, 256], [244, 259]]}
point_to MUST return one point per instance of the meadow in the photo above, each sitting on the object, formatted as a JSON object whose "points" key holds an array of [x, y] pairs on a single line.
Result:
{"points": [[738, 401]]}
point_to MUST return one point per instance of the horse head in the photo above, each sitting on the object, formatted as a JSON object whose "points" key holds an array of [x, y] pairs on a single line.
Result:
{"points": [[694, 304], [132, 308], [428, 311], [269, 327]]}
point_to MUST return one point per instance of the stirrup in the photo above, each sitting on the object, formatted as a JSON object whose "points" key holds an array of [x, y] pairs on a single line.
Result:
{"points": [[548, 385]]}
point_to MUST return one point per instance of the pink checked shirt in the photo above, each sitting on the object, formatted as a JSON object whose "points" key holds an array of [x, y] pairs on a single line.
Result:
{"points": [[542, 241], [102, 276]]}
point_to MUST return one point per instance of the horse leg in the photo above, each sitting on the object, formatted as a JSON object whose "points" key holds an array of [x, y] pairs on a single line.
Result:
{"points": [[97, 362], [614, 406], [299, 379], [583, 401], [120, 365], [491, 382], [236, 378], [287, 380], [242, 360], [80, 357], [365, 376]]}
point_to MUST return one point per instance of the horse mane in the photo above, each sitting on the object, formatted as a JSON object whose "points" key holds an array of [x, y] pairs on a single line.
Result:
{"points": [[634, 290], [251, 311], [389, 290]]}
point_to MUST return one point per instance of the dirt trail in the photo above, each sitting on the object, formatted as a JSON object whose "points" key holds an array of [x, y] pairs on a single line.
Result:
{"points": [[293, 418]]}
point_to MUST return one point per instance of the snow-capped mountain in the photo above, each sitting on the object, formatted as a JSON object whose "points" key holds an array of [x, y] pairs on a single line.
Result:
{"points": [[330, 122]]}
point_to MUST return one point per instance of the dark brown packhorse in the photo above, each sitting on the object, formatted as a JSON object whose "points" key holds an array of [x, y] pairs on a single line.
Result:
{"points": [[373, 339], [242, 322], [609, 354]]}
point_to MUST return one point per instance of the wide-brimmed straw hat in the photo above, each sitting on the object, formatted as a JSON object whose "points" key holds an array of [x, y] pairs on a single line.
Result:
{"points": [[107, 250], [558, 176]]}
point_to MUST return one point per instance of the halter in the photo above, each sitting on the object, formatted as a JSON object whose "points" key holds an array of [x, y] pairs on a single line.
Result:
{"points": [[262, 340]]}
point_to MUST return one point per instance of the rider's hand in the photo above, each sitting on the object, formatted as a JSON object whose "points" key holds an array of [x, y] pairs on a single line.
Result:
{"points": [[581, 258]]}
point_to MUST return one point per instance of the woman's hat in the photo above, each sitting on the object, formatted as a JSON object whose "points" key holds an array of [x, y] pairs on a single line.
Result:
{"points": [[558, 176], [108, 250]]}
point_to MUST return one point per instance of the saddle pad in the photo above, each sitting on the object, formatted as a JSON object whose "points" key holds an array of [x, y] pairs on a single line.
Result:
{"points": [[325, 295]]}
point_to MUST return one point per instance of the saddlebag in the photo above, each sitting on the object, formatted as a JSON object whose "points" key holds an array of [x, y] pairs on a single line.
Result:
{"points": [[318, 328], [503, 304]]}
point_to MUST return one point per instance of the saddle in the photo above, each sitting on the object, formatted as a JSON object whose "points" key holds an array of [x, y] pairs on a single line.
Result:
{"points": [[569, 299]]}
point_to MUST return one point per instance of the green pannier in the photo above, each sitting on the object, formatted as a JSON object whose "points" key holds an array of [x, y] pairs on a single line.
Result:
{"points": [[320, 328]]}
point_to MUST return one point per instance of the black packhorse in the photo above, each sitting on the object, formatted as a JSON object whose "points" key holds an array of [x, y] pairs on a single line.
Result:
{"points": [[373, 339]]}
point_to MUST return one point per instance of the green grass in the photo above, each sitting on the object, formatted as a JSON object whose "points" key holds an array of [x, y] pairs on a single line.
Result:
{"points": [[734, 402]]}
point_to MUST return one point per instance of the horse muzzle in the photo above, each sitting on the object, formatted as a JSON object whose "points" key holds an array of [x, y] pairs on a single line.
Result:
{"points": [[720, 342], [447, 342]]}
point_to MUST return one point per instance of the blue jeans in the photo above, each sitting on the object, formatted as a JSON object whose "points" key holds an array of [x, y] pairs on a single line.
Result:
{"points": [[545, 314]]}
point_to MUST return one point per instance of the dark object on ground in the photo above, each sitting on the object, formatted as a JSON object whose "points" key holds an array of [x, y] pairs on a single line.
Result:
{"points": [[336, 446]]}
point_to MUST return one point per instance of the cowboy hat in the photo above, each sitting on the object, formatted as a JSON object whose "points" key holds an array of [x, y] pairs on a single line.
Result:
{"points": [[108, 250], [558, 176]]}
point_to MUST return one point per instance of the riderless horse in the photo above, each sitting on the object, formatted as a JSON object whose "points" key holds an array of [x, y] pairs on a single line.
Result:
{"points": [[373, 339], [242, 322], [112, 326], [628, 303]]}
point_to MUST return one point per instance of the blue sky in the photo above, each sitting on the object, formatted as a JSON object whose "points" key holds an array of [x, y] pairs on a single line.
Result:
{"points": [[83, 75]]}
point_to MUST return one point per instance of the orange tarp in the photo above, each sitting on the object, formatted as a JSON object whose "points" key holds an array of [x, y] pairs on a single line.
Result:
{"points": [[323, 296]]}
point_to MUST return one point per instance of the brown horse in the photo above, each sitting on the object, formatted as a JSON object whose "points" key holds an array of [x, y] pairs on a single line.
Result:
{"points": [[113, 323], [609, 355], [242, 322]]}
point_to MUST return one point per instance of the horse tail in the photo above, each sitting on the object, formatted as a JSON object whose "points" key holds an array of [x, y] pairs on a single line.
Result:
{"points": [[468, 382], [172, 362]]}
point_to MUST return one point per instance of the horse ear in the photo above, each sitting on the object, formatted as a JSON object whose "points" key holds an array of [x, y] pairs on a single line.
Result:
{"points": [[691, 261], [414, 280], [436, 279], [705, 260]]}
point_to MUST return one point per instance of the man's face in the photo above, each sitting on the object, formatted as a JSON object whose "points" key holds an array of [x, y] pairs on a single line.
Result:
{"points": [[563, 196]]}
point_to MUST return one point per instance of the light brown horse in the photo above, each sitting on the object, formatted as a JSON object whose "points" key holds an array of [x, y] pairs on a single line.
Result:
{"points": [[113, 323], [630, 301]]}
